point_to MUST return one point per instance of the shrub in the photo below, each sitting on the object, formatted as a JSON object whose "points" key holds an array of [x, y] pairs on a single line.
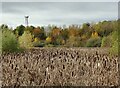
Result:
{"points": [[0, 41], [94, 35], [73, 41], [38, 43], [25, 40], [49, 45], [19, 30], [106, 41], [48, 40], [9, 41], [115, 42], [58, 41], [94, 42]]}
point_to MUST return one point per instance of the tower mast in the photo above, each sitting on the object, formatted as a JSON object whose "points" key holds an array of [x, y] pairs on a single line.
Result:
{"points": [[26, 20]]}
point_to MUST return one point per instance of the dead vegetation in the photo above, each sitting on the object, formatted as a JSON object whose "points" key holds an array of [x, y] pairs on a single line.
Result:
{"points": [[60, 66]]}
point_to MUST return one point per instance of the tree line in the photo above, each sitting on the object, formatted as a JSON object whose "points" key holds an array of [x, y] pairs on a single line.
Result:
{"points": [[101, 34]]}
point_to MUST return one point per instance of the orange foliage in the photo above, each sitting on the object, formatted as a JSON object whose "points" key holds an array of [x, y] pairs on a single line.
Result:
{"points": [[36, 31], [73, 32], [56, 32]]}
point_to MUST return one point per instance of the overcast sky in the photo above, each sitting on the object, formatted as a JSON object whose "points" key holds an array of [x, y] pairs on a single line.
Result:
{"points": [[57, 13]]}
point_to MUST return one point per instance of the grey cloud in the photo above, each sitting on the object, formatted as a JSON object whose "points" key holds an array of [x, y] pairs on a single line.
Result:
{"points": [[58, 13], [60, 6], [59, 0]]}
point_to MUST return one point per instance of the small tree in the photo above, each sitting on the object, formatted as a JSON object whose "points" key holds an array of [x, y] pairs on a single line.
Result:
{"points": [[26, 40], [9, 41], [94, 42], [94, 35], [115, 43], [106, 41], [73, 41], [0, 41], [48, 40], [19, 30]]}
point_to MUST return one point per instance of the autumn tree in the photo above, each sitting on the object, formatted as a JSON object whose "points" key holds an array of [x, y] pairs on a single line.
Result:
{"points": [[26, 40], [73, 31], [39, 33], [48, 40], [55, 32], [94, 35], [65, 35], [104, 28], [86, 31], [55, 35], [73, 41], [36, 32], [30, 29]]}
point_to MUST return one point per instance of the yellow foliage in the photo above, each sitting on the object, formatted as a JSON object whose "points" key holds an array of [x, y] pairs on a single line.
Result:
{"points": [[48, 39], [26, 40], [36, 40], [63, 41], [94, 35], [83, 37]]}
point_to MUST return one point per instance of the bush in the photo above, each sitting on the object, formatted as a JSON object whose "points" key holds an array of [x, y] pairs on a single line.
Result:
{"points": [[9, 41], [73, 41], [0, 41], [94, 42], [106, 41], [25, 40], [39, 44], [115, 42], [48, 40], [49, 45]]}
